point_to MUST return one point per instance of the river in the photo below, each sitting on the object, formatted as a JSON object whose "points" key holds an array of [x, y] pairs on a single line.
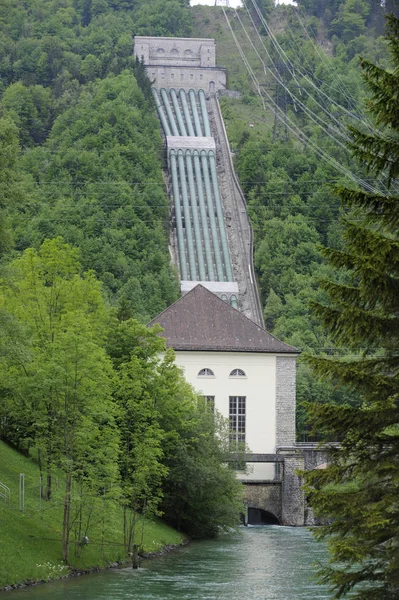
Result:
{"points": [[256, 563]]}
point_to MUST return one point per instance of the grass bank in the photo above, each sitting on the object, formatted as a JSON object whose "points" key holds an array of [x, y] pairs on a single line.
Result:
{"points": [[30, 540]]}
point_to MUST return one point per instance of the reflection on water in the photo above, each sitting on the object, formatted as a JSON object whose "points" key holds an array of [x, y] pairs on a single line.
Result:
{"points": [[256, 563]]}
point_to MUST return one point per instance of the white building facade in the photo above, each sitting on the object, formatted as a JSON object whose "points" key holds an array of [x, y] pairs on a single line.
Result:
{"points": [[240, 368]]}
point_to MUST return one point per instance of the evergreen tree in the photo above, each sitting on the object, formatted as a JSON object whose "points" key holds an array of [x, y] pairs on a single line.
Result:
{"points": [[359, 490]]}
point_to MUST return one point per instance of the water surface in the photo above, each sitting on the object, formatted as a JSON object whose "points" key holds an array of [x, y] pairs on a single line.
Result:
{"points": [[256, 563]]}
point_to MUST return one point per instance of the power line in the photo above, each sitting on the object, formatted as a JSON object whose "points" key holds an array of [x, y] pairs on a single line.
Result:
{"points": [[292, 126], [284, 57], [279, 77], [144, 184]]}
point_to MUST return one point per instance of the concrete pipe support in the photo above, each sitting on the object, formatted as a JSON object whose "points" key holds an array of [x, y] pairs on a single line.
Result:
{"points": [[204, 111]]}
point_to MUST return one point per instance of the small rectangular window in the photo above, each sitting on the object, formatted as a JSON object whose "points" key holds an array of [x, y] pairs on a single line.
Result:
{"points": [[209, 402]]}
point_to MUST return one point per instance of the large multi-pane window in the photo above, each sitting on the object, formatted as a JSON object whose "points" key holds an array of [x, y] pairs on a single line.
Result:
{"points": [[237, 418]]}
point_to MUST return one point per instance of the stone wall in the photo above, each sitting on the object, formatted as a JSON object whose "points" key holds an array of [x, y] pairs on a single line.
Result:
{"points": [[182, 52], [286, 499], [197, 78], [266, 497], [285, 400], [293, 499], [188, 63]]}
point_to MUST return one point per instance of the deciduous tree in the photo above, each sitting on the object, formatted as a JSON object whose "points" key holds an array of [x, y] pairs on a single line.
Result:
{"points": [[60, 384]]}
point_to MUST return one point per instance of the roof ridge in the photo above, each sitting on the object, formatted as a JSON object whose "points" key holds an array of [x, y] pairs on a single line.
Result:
{"points": [[207, 322], [179, 300]]}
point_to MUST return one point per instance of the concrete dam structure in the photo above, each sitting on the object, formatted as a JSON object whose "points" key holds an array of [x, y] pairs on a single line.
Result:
{"points": [[211, 245]]}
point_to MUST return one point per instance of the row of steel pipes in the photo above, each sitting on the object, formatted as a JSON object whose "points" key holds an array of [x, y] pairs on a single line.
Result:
{"points": [[201, 234], [186, 123]]}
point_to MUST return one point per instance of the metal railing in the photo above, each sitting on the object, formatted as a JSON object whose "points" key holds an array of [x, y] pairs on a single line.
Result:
{"points": [[5, 493]]}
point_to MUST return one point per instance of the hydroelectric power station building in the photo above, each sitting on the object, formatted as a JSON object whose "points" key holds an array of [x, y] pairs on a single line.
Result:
{"points": [[216, 328]]}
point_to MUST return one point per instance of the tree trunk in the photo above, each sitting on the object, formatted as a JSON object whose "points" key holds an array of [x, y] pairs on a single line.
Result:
{"points": [[67, 518], [135, 557], [48, 486]]}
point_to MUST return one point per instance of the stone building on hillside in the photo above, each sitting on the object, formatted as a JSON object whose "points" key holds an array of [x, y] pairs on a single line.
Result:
{"points": [[247, 373], [188, 63]]}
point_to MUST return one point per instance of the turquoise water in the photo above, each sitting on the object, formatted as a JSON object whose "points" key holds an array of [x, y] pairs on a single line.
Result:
{"points": [[256, 563]]}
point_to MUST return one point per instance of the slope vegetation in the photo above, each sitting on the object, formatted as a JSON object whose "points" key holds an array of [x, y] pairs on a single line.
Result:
{"points": [[300, 86], [30, 548]]}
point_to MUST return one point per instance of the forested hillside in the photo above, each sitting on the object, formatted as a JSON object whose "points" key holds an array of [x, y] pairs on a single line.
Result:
{"points": [[298, 72], [83, 157], [84, 237], [86, 390], [88, 148]]}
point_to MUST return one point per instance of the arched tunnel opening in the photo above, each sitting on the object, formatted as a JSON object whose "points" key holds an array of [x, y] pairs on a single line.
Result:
{"points": [[257, 516]]}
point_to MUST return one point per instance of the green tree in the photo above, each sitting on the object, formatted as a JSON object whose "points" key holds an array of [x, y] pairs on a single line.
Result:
{"points": [[358, 492], [351, 19], [201, 495], [31, 109], [173, 447], [134, 350], [11, 191], [163, 18], [60, 385], [102, 176]]}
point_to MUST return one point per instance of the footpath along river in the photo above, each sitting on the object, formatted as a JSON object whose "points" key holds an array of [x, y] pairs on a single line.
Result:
{"points": [[256, 563]]}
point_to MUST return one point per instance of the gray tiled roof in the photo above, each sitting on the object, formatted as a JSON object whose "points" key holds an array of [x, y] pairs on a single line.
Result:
{"points": [[200, 320]]}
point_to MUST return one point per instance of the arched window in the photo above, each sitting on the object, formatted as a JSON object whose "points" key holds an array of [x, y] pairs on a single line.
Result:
{"points": [[206, 373], [237, 373]]}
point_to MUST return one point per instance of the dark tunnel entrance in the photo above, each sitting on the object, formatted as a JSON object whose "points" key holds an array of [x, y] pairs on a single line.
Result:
{"points": [[257, 516]]}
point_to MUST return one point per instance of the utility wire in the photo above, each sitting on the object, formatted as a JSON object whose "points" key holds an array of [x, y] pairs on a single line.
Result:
{"points": [[291, 125], [326, 127], [381, 179], [298, 52], [344, 91], [305, 76]]}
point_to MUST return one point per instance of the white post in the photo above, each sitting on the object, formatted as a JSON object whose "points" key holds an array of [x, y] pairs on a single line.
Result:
{"points": [[22, 492]]}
